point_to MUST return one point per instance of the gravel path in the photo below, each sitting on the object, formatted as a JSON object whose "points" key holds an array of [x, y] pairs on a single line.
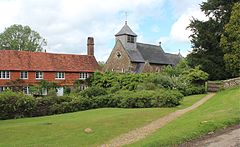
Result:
{"points": [[142, 132]]}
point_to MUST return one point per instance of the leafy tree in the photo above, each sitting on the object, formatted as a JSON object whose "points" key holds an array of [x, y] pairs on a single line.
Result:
{"points": [[230, 41], [21, 38], [206, 36]]}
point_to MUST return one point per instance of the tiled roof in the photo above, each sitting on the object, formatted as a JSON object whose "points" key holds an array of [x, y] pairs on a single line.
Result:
{"points": [[175, 58], [126, 31], [40, 61], [153, 54]]}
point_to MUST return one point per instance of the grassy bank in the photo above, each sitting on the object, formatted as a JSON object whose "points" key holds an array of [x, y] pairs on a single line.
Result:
{"points": [[68, 129], [220, 111]]}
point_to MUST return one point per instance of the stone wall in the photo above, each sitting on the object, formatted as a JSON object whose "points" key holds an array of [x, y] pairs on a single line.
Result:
{"points": [[118, 60], [214, 86]]}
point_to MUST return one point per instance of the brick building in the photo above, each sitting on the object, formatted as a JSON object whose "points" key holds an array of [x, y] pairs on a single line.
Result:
{"points": [[130, 56], [32, 67]]}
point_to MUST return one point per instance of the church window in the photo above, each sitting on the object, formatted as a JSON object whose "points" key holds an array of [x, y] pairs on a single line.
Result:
{"points": [[130, 39], [119, 54]]}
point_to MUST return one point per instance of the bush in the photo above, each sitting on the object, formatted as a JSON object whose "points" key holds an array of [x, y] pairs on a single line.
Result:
{"points": [[49, 105], [191, 89], [93, 92], [16, 105], [140, 99]]}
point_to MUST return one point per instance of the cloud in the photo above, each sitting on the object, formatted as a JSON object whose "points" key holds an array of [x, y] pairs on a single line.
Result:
{"points": [[179, 31], [66, 24]]}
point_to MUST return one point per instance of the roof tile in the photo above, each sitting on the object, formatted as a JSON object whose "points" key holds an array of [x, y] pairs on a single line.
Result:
{"points": [[40, 61]]}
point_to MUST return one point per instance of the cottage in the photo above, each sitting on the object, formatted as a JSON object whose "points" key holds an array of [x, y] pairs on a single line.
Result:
{"points": [[32, 67], [130, 56]]}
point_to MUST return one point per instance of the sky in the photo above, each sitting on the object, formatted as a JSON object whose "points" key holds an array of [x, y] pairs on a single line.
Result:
{"points": [[66, 24]]}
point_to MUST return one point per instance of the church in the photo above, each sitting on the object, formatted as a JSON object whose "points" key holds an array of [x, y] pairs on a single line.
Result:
{"points": [[130, 56]]}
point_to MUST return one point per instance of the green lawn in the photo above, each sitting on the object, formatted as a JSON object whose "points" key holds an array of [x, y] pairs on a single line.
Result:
{"points": [[68, 129], [220, 111]]}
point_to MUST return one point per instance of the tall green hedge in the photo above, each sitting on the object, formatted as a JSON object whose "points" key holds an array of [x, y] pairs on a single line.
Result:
{"points": [[15, 105]]}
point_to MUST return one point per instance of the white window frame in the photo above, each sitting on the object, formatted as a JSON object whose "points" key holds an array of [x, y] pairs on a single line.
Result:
{"points": [[25, 90], [130, 39], [83, 75], [83, 87], [4, 74], [39, 75], [21, 74], [3, 88], [60, 75]]}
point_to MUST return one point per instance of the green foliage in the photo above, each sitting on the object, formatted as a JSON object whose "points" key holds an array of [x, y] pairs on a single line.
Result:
{"points": [[205, 39], [146, 99], [120, 81], [21, 38], [93, 92], [38, 130], [195, 75], [219, 112], [230, 41], [47, 105], [16, 85], [16, 105]]}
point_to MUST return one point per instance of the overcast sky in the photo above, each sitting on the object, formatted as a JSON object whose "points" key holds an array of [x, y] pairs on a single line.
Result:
{"points": [[66, 24]]}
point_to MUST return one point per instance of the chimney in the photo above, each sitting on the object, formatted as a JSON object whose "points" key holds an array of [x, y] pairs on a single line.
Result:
{"points": [[90, 46]]}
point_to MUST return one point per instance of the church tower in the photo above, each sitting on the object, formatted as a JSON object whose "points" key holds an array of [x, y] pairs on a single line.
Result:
{"points": [[127, 37]]}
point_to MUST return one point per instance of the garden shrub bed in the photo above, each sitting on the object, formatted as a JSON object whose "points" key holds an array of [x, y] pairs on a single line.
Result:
{"points": [[17, 105]]}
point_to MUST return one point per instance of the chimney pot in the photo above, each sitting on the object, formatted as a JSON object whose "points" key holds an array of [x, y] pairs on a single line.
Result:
{"points": [[90, 46]]}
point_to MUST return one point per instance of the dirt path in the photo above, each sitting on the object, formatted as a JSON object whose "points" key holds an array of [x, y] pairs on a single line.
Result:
{"points": [[142, 132]]}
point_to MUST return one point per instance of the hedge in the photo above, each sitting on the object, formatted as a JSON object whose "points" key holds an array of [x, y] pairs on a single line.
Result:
{"points": [[15, 105]]}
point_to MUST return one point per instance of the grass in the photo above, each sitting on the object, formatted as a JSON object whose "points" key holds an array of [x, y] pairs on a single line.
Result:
{"points": [[68, 129], [219, 112]]}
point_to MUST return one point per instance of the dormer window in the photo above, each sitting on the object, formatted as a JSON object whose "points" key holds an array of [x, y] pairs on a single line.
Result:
{"points": [[130, 39]]}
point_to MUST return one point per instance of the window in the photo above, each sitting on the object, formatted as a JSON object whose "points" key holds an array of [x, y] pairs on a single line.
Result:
{"points": [[60, 75], [25, 90], [3, 88], [39, 75], [83, 87], [130, 39], [4, 74], [119, 54], [83, 75], [123, 70], [24, 75]]}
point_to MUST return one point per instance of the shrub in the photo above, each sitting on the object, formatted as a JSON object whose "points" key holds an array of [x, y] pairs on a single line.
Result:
{"points": [[15, 105], [139, 99], [93, 91], [48, 105]]}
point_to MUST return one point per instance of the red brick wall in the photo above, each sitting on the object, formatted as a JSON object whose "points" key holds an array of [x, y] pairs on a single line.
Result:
{"points": [[70, 77]]}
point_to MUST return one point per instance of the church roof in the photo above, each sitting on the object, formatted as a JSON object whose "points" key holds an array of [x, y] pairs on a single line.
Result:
{"points": [[153, 54], [126, 31], [175, 58]]}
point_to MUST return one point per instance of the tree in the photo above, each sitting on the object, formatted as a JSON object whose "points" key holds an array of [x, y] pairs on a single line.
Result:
{"points": [[206, 36], [230, 41], [21, 38]]}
